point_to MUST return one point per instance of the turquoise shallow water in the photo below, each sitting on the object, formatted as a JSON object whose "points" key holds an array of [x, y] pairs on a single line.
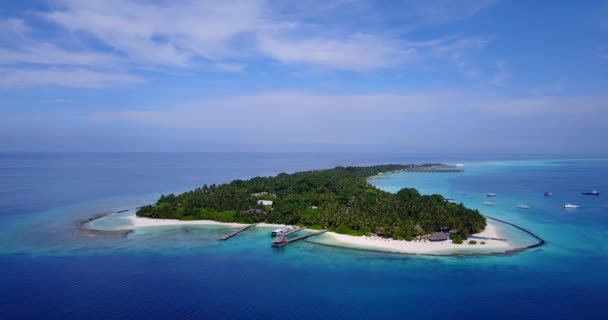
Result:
{"points": [[50, 271]]}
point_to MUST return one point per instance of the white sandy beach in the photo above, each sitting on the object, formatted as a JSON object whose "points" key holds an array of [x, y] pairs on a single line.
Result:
{"points": [[428, 247], [139, 222], [361, 242]]}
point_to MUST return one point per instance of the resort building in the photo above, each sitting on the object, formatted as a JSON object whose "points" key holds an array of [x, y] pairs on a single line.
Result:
{"points": [[263, 193], [259, 194], [267, 203]]}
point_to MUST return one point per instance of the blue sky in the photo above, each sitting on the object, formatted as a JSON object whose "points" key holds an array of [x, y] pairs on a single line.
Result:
{"points": [[333, 75]]}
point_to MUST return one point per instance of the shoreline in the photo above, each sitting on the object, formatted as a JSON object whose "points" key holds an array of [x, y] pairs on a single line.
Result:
{"points": [[541, 242], [362, 243], [415, 247], [84, 229], [139, 222], [491, 238], [134, 222]]}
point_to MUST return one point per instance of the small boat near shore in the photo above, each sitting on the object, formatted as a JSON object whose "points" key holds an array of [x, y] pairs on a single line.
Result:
{"points": [[548, 194], [523, 206], [491, 195], [281, 231], [280, 241], [570, 206], [488, 203], [592, 193]]}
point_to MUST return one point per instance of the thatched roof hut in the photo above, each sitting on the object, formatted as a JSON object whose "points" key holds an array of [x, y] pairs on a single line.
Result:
{"points": [[418, 228], [438, 236]]}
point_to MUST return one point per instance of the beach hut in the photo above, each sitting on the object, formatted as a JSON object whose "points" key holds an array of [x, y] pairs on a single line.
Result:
{"points": [[418, 229], [438, 236]]}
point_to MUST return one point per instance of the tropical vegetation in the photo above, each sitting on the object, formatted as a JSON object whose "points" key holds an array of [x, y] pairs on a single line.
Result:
{"points": [[339, 199]]}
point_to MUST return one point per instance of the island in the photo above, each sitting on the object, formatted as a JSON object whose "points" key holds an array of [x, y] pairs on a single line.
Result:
{"points": [[340, 200]]}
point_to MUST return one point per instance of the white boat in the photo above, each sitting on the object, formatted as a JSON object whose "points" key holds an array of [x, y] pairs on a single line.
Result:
{"points": [[281, 231], [488, 203], [592, 193], [523, 206], [491, 195], [570, 206]]}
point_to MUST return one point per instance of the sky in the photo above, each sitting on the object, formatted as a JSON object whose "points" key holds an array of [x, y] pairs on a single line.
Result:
{"points": [[467, 76]]}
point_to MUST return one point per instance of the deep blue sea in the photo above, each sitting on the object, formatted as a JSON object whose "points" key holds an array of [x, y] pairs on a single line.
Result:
{"points": [[50, 271]]}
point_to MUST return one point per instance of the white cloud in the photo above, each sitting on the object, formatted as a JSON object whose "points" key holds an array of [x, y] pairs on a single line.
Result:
{"points": [[64, 77], [444, 11], [431, 120], [167, 33], [101, 36], [501, 76], [13, 26], [50, 54], [176, 33], [457, 50], [299, 109], [230, 67], [359, 52]]}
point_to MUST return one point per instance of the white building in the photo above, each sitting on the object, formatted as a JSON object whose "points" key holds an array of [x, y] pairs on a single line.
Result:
{"points": [[267, 203]]}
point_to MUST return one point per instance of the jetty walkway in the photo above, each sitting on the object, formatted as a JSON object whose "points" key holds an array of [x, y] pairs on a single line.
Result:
{"points": [[286, 241], [237, 231]]}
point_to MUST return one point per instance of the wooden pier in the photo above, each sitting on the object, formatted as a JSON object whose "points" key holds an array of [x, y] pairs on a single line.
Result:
{"points": [[237, 231], [286, 241]]}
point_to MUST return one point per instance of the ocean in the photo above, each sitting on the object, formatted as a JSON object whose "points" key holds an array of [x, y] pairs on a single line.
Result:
{"points": [[48, 270]]}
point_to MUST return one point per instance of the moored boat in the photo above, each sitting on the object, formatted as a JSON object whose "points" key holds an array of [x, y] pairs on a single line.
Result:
{"points": [[523, 206], [281, 231], [491, 195], [592, 193], [280, 241], [570, 206], [488, 203], [548, 194]]}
